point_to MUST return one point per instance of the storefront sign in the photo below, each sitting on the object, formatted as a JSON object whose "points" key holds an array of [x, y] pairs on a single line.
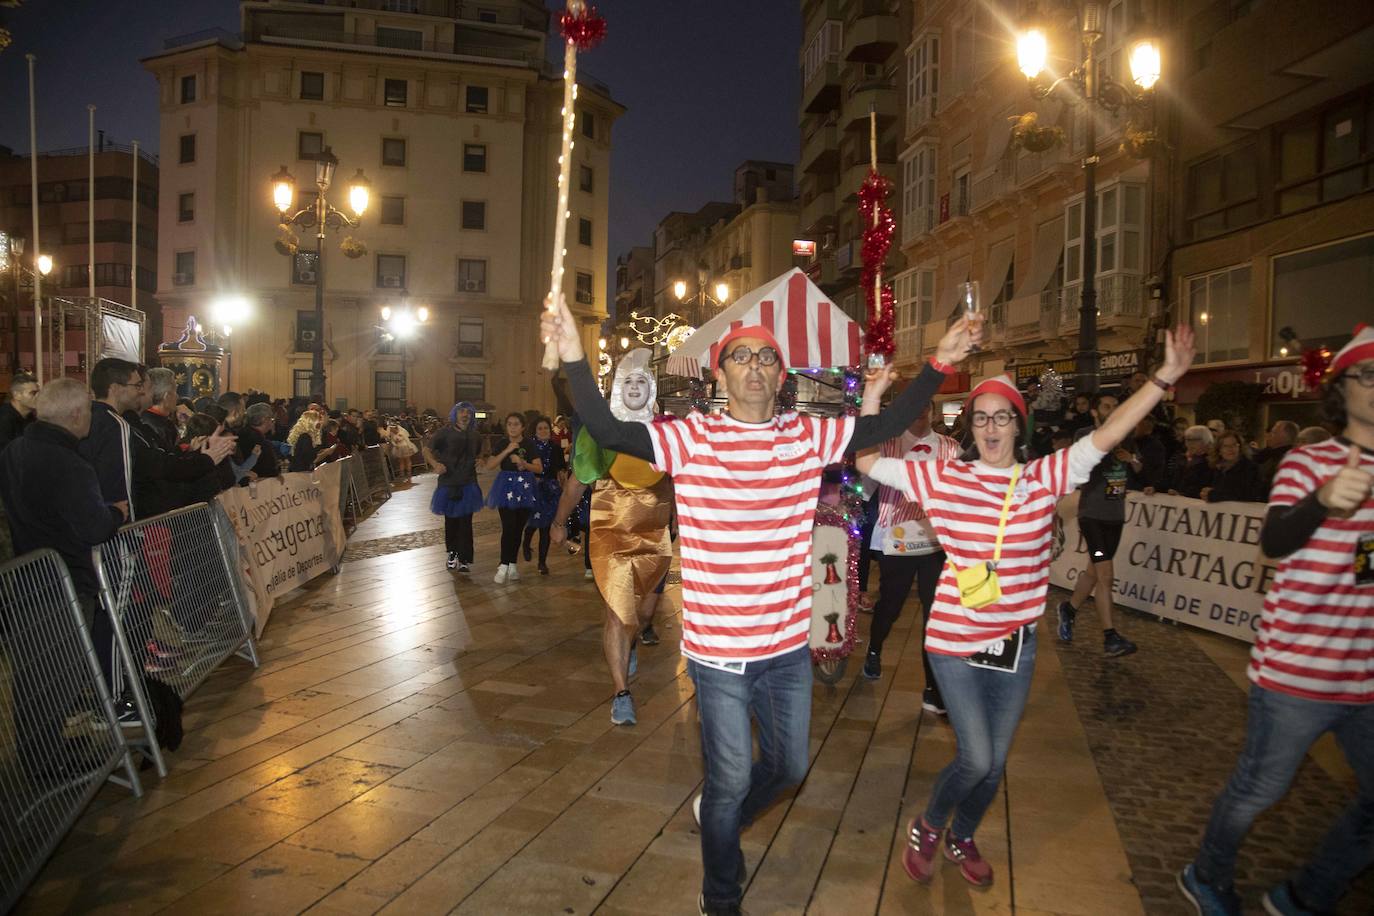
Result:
{"points": [[289, 530], [1279, 381], [1195, 562], [1111, 367], [803, 248]]}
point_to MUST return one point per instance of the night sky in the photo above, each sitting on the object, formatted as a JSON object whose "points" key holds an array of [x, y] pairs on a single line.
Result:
{"points": [[707, 84]]}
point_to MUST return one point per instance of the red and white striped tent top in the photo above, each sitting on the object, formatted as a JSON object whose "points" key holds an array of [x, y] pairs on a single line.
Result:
{"points": [[812, 331]]}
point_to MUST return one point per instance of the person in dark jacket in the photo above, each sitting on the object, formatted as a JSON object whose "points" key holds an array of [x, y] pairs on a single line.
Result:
{"points": [[305, 442], [372, 432], [1235, 478], [1189, 470], [117, 386], [17, 412], [257, 424], [452, 452], [1154, 460], [160, 417], [1280, 438]]}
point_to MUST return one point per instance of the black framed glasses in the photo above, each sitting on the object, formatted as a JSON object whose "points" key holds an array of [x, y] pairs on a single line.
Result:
{"points": [[1364, 375], [741, 356], [999, 419]]}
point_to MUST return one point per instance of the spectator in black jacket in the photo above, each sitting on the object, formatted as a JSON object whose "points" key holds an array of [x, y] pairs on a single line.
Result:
{"points": [[258, 423], [160, 417], [1190, 470], [117, 386], [372, 432], [1235, 478], [1280, 438], [17, 412], [1154, 460]]}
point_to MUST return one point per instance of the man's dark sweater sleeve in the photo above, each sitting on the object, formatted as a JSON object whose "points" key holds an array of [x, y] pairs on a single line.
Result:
{"points": [[629, 438], [1287, 528], [901, 413]]}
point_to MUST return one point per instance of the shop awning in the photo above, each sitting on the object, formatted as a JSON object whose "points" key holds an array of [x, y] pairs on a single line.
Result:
{"points": [[811, 330], [1049, 244]]}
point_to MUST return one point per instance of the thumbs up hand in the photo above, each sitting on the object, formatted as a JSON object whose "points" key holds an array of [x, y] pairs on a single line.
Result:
{"points": [[1348, 488]]}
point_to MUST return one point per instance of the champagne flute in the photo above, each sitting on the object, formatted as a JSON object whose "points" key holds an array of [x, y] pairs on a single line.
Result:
{"points": [[968, 298]]}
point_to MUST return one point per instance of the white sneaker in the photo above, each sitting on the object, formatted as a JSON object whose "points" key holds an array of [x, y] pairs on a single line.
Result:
{"points": [[514, 574], [501, 573], [696, 808]]}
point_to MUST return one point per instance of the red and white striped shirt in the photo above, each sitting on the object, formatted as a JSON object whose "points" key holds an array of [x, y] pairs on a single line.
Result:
{"points": [[1316, 635], [746, 502], [902, 529], [963, 500]]}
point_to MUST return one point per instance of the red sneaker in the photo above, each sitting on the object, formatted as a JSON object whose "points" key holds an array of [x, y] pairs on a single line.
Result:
{"points": [[972, 865], [919, 857]]}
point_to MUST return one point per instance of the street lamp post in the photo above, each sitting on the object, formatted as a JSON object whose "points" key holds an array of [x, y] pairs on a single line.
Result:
{"points": [[402, 324], [319, 216], [702, 298], [1089, 89]]}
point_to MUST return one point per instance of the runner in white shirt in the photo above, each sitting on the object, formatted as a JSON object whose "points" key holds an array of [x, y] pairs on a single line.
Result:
{"points": [[745, 485]]}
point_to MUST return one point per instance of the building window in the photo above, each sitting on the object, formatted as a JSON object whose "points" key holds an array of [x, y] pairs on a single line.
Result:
{"points": [[922, 81], [394, 93], [75, 275], [474, 157], [1223, 192], [300, 380], [584, 231], [1121, 17], [391, 271], [588, 125], [487, 15], [824, 48], [918, 193], [393, 211], [585, 295], [188, 89], [186, 207], [474, 214], [407, 39], [112, 275], [303, 264], [1328, 156], [184, 268], [1120, 233], [1219, 308], [389, 391], [187, 149], [472, 275], [1322, 293], [469, 387], [312, 85], [470, 333], [309, 144], [393, 151], [476, 98], [586, 178], [307, 332], [915, 298], [1001, 271], [959, 193]]}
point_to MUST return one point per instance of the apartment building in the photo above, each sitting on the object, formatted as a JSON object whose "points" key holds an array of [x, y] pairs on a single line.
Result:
{"points": [[451, 112]]}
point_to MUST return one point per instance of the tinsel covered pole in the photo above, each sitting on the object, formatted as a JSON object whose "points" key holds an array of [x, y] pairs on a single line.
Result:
{"points": [[878, 223], [582, 30]]}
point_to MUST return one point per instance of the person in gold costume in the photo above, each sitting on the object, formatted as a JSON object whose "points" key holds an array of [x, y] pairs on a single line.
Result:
{"points": [[629, 545]]}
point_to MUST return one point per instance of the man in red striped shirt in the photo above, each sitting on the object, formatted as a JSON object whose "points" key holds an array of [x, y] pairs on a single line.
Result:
{"points": [[1312, 667], [746, 483]]}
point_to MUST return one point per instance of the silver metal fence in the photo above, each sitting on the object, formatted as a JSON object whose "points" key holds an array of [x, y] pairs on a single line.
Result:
{"points": [[172, 585], [349, 509], [362, 490], [60, 735], [377, 477]]}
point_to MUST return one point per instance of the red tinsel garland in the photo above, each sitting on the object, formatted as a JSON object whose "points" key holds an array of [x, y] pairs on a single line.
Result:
{"points": [[1314, 366], [584, 28], [877, 241]]}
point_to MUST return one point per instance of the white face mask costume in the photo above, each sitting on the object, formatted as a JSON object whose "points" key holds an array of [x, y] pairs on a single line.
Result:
{"points": [[634, 390]]}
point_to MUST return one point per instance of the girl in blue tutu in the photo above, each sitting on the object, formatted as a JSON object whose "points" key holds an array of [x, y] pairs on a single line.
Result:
{"points": [[515, 492], [452, 453], [549, 487]]}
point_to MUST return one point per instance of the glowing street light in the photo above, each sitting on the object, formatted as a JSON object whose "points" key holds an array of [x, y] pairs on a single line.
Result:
{"points": [[45, 264]]}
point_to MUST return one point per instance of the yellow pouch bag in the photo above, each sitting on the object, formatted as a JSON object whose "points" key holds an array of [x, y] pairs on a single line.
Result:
{"points": [[978, 585]]}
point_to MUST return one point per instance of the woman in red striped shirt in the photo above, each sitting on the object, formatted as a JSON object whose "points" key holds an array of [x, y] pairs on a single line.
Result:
{"points": [[982, 643]]}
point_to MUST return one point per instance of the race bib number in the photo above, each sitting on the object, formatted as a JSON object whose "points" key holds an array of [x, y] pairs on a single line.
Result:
{"points": [[1364, 559], [1003, 655], [1116, 483]]}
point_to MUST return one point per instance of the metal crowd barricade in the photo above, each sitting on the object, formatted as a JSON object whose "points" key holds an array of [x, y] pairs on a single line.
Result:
{"points": [[172, 585], [60, 737], [349, 509], [418, 461], [362, 490], [375, 463]]}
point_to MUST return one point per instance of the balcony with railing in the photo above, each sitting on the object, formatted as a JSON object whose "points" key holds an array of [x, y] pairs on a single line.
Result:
{"points": [[870, 34], [821, 148], [877, 96], [817, 212], [1120, 303], [1023, 319]]}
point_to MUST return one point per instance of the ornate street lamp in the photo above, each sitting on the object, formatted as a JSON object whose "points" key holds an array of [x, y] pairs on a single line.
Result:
{"points": [[702, 297], [1086, 87], [319, 215]]}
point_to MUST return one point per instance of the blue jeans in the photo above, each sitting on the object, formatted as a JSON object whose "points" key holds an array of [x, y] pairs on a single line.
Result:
{"points": [[777, 692], [984, 707], [1280, 731]]}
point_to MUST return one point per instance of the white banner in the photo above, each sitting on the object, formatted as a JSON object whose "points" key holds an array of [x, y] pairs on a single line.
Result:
{"points": [[1184, 559], [289, 530]]}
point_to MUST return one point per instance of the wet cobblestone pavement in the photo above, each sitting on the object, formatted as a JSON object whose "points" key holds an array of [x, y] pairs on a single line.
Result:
{"points": [[1165, 727]]}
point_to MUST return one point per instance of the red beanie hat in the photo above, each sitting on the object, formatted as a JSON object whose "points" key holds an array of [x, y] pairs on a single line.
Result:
{"points": [[1003, 385], [753, 330], [1360, 348]]}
